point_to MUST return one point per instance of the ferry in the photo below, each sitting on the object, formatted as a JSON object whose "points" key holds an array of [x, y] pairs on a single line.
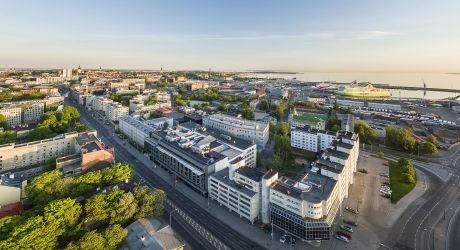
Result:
{"points": [[362, 91]]}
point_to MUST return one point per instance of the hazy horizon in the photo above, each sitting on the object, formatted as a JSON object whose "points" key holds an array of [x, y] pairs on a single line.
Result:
{"points": [[358, 36]]}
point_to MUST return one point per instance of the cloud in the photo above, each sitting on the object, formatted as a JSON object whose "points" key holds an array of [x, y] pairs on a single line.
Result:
{"points": [[375, 34], [256, 37]]}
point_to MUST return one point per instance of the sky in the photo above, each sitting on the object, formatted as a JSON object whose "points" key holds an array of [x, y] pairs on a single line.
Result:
{"points": [[290, 35]]}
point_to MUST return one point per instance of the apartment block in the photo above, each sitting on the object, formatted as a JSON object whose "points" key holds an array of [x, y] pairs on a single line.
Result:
{"points": [[115, 111], [24, 112], [311, 139], [136, 130], [256, 132], [16, 156]]}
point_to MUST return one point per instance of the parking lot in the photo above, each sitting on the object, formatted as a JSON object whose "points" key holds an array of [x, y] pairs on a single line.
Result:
{"points": [[376, 214]]}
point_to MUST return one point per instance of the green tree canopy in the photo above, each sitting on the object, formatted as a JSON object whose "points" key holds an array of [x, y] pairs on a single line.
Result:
{"points": [[400, 139], [366, 133], [124, 210], [151, 202], [3, 121], [283, 128], [114, 235]]}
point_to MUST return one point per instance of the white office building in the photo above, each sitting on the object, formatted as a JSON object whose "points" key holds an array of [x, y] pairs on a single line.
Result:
{"points": [[115, 111], [350, 104], [134, 129], [238, 188], [307, 207], [383, 106], [192, 153], [256, 132], [311, 139]]}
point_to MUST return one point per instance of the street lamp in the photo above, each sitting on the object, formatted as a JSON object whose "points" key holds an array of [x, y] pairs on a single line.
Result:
{"points": [[170, 217]]}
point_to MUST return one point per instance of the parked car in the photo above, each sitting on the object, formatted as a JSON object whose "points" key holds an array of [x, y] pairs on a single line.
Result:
{"points": [[362, 170], [342, 238], [346, 228], [386, 195], [384, 174], [350, 222], [386, 183], [287, 239], [343, 233], [266, 228], [352, 210]]}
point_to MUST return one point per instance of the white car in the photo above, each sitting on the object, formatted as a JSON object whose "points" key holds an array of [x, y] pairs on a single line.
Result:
{"points": [[342, 238]]}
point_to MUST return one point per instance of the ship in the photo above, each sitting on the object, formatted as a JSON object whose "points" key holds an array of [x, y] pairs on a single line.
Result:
{"points": [[360, 90]]}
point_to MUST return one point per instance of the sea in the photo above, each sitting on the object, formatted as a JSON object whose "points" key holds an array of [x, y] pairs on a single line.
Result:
{"points": [[432, 80]]}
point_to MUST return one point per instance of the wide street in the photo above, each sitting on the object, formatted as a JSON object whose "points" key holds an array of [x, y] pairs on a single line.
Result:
{"points": [[224, 233], [417, 225]]}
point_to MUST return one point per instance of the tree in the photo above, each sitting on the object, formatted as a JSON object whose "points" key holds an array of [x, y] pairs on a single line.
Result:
{"points": [[380, 154], [283, 128], [432, 139], [333, 125], [272, 129], [247, 113], [224, 107], [3, 121], [150, 202], [124, 210], [81, 128], [258, 160], [41, 133], [282, 147], [117, 173], [34, 233], [91, 240], [41, 190], [96, 208], [263, 105], [279, 111], [7, 137], [400, 139], [366, 133], [275, 162], [165, 125], [64, 213], [428, 148], [114, 235]]}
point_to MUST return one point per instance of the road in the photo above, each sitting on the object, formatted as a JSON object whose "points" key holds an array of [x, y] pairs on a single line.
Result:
{"points": [[416, 227], [223, 232]]}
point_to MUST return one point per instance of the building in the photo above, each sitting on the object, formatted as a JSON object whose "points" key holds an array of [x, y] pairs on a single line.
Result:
{"points": [[256, 132], [159, 123], [27, 155], [197, 85], [91, 153], [67, 74], [192, 153], [150, 234], [312, 139], [32, 112], [307, 207], [134, 129], [13, 115], [115, 111], [350, 104], [10, 191], [347, 122], [239, 189], [312, 119], [383, 106], [24, 112]]}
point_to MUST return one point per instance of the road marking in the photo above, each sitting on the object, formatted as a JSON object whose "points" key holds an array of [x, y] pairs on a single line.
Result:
{"points": [[424, 218]]}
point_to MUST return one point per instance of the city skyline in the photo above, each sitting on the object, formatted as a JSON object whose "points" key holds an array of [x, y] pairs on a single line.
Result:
{"points": [[409, 36]]}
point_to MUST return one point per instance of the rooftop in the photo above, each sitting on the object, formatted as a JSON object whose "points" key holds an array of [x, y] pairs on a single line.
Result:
{"points": [[151, 235], [252, 173], [222, 176], [235, 121], [312, 187]]}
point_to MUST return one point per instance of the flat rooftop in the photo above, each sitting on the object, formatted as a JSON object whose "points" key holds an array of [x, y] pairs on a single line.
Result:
{"points": [[312, 187], [252, 173], [235, 121], [222, 176]]}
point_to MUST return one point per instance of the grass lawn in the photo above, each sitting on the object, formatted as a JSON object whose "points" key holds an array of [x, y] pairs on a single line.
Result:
{"points": [[304, 154], [397, 185], [289, 169]]}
